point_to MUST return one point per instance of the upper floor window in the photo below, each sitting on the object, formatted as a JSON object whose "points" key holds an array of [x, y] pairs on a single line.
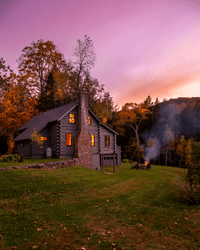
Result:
{"points": [[72, 118], [107, 140], [93, 140], [89, 120], [68, 139]]}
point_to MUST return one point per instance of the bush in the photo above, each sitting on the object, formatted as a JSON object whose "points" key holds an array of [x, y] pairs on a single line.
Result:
{"points": [[185, 194], [10, 158], [126, 160]]}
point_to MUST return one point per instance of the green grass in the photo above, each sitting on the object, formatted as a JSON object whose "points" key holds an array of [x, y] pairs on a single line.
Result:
{"points": [[27, 162], [77, 207]]}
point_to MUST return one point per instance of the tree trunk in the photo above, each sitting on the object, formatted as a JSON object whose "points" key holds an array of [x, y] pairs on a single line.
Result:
{"points": [[138, 146], [166, 156], [180, 162]]}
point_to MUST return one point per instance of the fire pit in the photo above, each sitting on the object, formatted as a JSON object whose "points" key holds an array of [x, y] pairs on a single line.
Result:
{"points": [[147, 165], [135, 165]]}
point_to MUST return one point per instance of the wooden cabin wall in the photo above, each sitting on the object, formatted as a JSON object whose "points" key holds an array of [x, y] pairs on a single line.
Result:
{"points": [[23, 148], [54, 139], [68, 128], [93, 130], [37, 151], [106, 149]]}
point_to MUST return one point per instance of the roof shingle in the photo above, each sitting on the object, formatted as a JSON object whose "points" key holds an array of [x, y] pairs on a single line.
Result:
{"points": [[40, 121]]}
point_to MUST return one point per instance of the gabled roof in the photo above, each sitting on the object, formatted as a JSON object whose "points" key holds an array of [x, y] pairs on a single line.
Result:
{"points": [[40, 121], [102, 122]]}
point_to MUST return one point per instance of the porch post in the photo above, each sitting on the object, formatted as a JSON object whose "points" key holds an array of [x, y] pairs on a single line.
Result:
{"points": [[102, 162], [114, 168]]}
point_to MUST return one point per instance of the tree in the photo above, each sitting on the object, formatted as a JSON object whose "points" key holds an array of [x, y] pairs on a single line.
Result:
{"points": [[183, 149], [103, 107], [36, 137], [148, 102], [85, 60], [132, 114], [48, 100], [17, 108], [37, 61], [168, 136], [196, 152], [4, 70]]}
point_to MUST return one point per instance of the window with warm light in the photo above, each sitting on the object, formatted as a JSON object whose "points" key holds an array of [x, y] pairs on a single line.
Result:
{"points": [[89, 120], [93, 140], [43, 138], [107, 140], [68, 139], [72, 118]]}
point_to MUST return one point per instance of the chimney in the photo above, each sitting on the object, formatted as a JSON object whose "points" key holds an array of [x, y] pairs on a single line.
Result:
{"points": [[83, 146]]}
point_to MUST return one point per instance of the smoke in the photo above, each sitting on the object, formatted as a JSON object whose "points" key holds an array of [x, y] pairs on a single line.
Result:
{"points": [[174, 118], [153, 150]]}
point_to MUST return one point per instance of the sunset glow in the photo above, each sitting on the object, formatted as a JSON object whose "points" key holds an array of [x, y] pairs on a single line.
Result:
{"points": [[143, 47]]}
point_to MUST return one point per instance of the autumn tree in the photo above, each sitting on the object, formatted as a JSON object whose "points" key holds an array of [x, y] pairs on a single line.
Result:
{"points": [[100, 100], [48, 99], [85, 60], [4, 74], [17, 108], [183, 150], [37, 61], [36, 137], [132, 114], [196, 152]]}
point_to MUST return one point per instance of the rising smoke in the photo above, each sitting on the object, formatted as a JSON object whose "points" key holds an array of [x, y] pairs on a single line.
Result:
{"points": [[173, 118]]}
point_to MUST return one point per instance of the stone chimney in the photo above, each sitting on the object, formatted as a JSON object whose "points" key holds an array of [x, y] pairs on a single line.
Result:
{"points": [[83, 146]]}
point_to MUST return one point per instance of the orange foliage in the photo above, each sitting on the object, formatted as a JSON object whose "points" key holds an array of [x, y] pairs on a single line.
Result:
{"points": [[105, 120], [17, 108], [132, 114]]}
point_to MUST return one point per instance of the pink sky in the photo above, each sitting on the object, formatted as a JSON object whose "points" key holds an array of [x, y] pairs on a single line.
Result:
{"points": [[146, 47]]}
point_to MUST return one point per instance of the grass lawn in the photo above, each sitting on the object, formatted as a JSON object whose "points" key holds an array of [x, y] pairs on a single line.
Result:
{"points": [[79, 208]]}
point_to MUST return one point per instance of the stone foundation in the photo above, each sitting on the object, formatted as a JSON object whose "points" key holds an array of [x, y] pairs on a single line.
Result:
{"points": [[48, 165]]}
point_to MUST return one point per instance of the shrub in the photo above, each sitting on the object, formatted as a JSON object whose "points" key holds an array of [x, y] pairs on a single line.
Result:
{"points": [[188, 189], [10, 158], [184, 194]]}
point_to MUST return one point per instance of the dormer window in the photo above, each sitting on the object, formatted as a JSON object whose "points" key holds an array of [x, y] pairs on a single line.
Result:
{"points": [[72, 118]]}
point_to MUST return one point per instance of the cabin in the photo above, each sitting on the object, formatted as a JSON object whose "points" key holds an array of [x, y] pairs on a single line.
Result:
{"points": [[71, 131]]}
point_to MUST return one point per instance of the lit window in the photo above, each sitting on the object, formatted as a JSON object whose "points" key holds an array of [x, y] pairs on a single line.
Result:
{"points": [[72, 118], [107, 140], [89, 119], [68, 139], [93, 140], [43, 138]]}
